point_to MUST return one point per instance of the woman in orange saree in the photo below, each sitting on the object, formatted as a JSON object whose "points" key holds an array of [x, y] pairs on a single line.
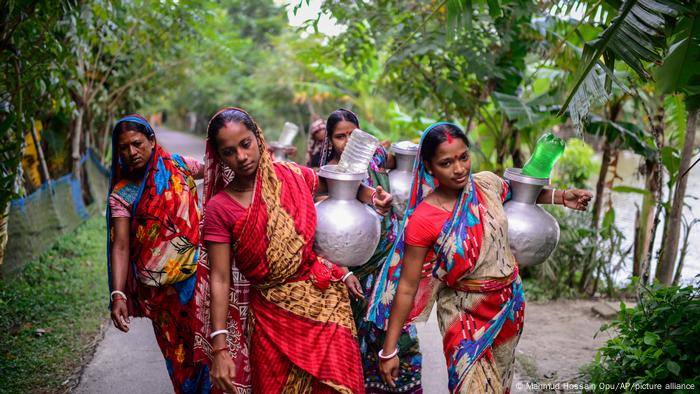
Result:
{"points": [[291, 330]]}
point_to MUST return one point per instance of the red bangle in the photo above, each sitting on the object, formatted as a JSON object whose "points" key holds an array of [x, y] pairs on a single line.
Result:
{"points": [[218, 349], [118, 298]]}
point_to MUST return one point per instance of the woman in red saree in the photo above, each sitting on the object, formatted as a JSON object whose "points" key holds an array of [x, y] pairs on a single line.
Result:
{"points": [[453, 249], [291, 330]]}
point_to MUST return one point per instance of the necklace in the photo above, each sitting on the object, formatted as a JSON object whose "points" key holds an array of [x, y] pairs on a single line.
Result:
{"points": [[442, 204]]}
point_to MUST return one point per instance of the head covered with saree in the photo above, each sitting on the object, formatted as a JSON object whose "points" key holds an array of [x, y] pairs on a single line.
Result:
{"points": [[314, 144], [454, 254], [164, 223], [272, 245]]}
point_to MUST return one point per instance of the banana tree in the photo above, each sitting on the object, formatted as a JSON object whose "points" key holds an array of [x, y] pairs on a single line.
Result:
{"points": [[680, 72]]}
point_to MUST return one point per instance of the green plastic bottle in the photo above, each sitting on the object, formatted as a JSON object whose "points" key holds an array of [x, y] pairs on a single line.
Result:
{"points": [[548, 150]]}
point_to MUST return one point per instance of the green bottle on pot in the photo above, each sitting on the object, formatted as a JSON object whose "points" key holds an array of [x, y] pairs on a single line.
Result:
{"points": [[548, 150]]}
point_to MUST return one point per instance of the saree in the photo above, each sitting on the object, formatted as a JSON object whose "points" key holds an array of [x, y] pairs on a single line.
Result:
{"points": [[163, 249], [472, 275], [371, 337], [301, 335]]}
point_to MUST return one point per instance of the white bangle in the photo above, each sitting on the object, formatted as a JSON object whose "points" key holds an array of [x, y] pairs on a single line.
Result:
{"points": [[347, 275], [553, 191], [389, 356], [217, 332], [121, 293]]}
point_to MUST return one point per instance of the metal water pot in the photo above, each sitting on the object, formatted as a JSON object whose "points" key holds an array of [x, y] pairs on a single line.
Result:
{"points": [[278, 151], [532, 232], [347, 231], [401, 177]]}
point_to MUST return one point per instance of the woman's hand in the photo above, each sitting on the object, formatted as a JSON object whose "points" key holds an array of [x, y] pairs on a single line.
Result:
{"points": [[381, 201], [354, 286], [223, 371], [120, 314], [389, 370], [576, 199]]}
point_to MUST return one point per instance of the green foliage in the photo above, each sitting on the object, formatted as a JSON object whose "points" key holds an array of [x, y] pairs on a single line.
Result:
{"points": [[680, 71], [576, 166], [655, 342], [51, 313], [636, 35]]}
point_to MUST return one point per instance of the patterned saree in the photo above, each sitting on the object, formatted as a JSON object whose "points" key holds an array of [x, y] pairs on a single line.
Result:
{"points": [[297, 334], [472, 276], [370, 336], [163, 254]]}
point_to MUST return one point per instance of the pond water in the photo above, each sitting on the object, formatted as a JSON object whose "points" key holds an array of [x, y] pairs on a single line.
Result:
{"points": [[625, 209]]}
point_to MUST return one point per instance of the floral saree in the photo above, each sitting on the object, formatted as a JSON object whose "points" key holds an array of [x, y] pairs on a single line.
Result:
{"points": [[163, 254]]}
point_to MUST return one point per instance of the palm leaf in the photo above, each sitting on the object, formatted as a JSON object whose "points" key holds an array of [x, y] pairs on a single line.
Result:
{"points": [[635, 36], [680, 71]]}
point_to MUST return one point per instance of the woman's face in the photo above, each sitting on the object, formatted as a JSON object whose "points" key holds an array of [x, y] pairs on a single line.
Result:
{"points": [[451, 164], [135, 149], [340, 135], [238, 148]]}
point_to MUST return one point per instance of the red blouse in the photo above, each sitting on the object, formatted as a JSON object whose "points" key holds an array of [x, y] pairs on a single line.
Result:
{"points": [[425, 225]]}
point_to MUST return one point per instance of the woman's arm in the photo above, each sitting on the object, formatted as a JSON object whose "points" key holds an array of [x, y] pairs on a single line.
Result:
{"points": [[390, 161], [120, 270], [571, 198], [223, 369], [400, 308], [377, 197]]}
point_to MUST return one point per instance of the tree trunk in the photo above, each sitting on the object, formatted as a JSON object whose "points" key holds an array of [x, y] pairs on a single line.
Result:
{"points": [[106, 138], [4, 218], [646, 216], [600, 185], [75, 143], [45, 176], [667, 263], [688, 227]]}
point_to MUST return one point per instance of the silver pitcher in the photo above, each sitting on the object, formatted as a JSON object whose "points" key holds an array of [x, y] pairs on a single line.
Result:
{"points": [[279, 151], [347, 231], [532, 232], [401, 177]]}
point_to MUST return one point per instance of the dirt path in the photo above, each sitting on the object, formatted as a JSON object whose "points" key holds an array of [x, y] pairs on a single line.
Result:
{"points": [[556, 343]]}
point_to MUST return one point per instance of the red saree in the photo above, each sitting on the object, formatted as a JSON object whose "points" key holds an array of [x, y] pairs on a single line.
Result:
{"points": [[302, 336]]}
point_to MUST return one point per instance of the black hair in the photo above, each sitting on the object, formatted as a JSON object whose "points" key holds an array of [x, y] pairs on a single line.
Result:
{"points": [[437, 135], [226, 116], [337, 116], [128, 125]]}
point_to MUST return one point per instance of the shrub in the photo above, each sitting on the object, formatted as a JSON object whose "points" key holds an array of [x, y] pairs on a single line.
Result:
{"points": [[656, 344]]}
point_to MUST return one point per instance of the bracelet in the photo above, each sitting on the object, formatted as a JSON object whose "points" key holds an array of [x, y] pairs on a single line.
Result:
{"points": [[118, 292], [554, 191], [218, 349], [347, 275], [388, 356], [217, 332], [118, 298]]}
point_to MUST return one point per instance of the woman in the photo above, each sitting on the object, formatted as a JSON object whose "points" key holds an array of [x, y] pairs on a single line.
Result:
{"points": [[340, 125], [153, 238], [455, 248], [317, 134], [302, 338]]}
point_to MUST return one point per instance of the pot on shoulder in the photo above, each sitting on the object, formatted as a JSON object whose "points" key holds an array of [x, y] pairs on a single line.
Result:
{"points": [[347, 231], [533, 233]]}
